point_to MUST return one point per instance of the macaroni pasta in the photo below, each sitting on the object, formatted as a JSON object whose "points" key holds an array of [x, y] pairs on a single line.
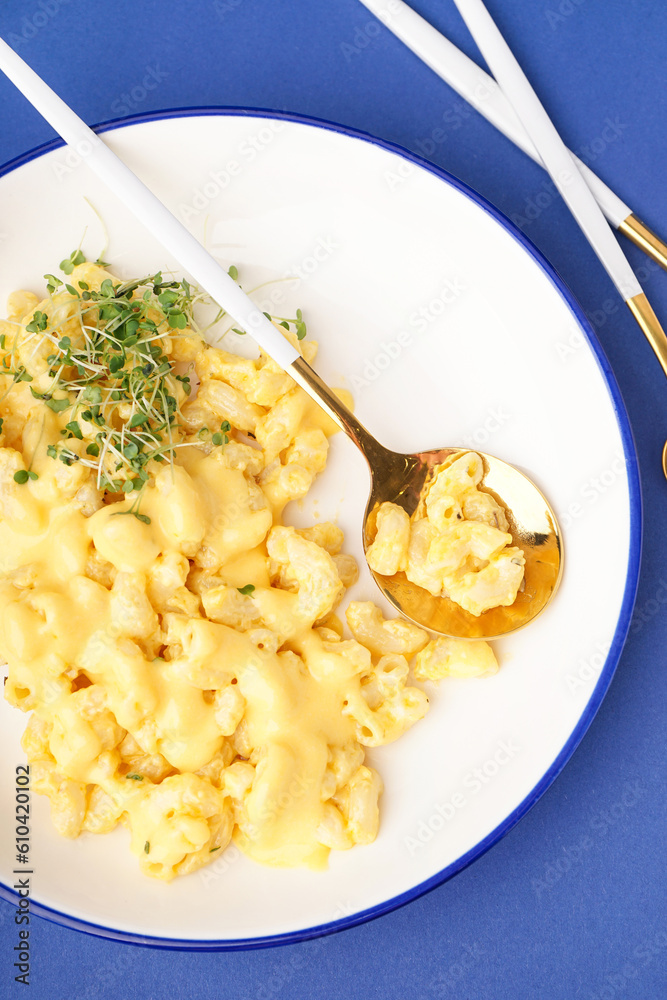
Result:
{"points": [[173, 638], [459, 548]]}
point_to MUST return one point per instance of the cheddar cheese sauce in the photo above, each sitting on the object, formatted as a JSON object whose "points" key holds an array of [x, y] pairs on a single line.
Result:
{"points": [[173, 639]]}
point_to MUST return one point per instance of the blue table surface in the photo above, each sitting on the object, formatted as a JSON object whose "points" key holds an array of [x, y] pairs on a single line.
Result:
{"points": [[570, 904]]}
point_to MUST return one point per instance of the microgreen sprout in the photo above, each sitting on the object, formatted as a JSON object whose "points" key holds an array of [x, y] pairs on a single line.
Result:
{"points": [[222, 436], [115, 379], [23, 475], [75, 258], [297, 322], [300, 325], [38, 323], [117, 389]]}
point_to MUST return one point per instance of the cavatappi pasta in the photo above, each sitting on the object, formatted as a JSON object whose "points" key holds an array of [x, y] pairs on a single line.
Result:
{"points": [[174, 640]]}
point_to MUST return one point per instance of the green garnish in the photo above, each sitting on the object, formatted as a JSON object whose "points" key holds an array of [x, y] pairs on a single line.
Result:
{"points": [[57, 405], [117, 376], [114, 382], [300, 325], [38, 322], [74, 429], [68, 265], [222, 436], [247, 590]]}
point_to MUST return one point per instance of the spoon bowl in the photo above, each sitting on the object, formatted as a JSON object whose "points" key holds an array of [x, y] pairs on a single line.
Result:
{"points": [[532, 525], [405, 479]]}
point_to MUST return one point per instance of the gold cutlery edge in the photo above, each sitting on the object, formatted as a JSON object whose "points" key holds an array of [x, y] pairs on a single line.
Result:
{"points": [[641, 309], [645, 239]]}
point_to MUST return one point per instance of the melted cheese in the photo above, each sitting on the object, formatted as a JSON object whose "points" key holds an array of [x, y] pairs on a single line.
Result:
{"points": [[100, 666], [190, 729]]}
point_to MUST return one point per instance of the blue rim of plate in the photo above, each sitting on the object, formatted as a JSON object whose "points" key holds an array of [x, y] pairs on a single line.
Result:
{"points": [[629, 594]]}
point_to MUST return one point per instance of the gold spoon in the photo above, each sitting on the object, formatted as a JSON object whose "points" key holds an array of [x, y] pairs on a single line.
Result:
{"points": [[402, 479], [405, 480]]}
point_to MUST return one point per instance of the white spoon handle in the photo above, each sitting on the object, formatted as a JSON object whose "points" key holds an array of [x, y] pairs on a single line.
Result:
{"points": [[479, 89], [173, 235], [552, 150]]}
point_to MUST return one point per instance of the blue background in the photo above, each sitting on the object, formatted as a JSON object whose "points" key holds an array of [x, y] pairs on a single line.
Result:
{"points": [[570, 904]]}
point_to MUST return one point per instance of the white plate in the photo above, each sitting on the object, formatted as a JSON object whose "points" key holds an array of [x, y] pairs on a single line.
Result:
{"points": [[450, 329]]}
